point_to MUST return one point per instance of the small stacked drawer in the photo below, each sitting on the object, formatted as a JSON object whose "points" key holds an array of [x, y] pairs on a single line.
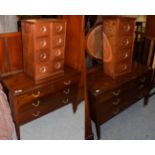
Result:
{"points": [[119, 35], [43, 48], [109, 97]]}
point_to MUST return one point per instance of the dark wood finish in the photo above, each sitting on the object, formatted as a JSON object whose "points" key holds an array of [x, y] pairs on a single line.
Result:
{"points": [[150, 23], [43, 42], [118, 41], [10, 53], [108, 97], [30, 101]]}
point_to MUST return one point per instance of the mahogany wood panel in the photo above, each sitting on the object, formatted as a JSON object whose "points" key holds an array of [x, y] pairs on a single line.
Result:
{"points": [[150, 24], [11, 58]]}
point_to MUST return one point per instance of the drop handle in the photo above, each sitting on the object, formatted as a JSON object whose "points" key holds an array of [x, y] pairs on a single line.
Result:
{"points": [[66, 91], [116, 93], [36, 95], [36, 104], [143, 79], [65, 101], [67, 82], [36, 114], [116, 111], [116, 102]]}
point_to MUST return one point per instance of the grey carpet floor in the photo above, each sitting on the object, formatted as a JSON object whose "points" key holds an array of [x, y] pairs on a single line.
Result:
{"points": [[61, 124], [135, 123]]}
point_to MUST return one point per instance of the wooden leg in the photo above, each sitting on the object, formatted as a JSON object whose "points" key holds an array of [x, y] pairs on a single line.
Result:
{"points": [[146, 98], [98, 131], [17, 131]]}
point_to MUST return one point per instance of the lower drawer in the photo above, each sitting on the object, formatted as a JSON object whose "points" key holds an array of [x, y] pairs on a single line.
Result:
{"points": [[103, 115], [46, 104]]}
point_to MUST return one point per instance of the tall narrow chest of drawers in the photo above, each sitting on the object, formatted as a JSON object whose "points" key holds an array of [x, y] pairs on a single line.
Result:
{"points": [[118, 41], [43, 48], [108, 97], [29, 100]]}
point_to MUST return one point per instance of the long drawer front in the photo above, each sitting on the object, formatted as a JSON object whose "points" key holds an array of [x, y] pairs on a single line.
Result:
{"points": [[46, 104]]}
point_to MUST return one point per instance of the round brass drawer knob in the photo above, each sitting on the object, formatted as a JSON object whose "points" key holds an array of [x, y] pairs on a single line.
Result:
{"points": [[58, 41], [43, 29], [57, 65], [59, 28], [125, 42], [43, 56], [127, 27], [58, 52], [43, 43], [124, 67], [43, 69]]}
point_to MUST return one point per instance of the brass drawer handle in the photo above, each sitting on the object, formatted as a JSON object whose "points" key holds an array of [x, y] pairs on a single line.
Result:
{"points": [[67, 91], [36, 114], [43, 29], [116, 111], [116, 93], [67, 82], [141, 86], [18, 91], [36, 95], [116, 102], [65, 101], [36, 104], [143, 79]]}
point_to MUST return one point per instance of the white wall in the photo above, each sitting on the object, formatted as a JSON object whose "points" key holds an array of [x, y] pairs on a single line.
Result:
{"points": [[8, 23]]}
